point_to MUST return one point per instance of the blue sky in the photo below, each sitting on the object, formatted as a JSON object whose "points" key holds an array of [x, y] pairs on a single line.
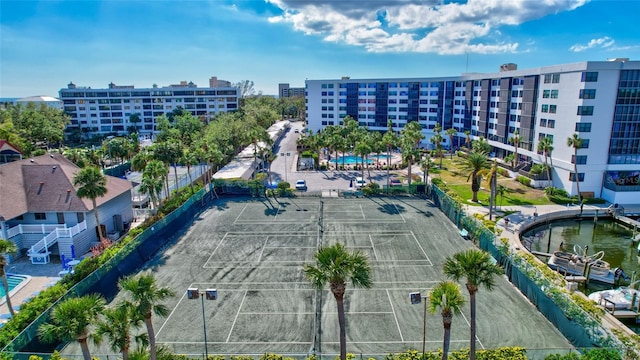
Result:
{"points": [[46, 44]]}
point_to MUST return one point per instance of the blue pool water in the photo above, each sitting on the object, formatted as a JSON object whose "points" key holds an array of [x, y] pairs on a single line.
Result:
{"points": [[13, 280], [352, 159]]}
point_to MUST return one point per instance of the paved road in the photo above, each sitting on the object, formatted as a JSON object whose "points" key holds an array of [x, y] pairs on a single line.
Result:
{"points": [[284, 167]]}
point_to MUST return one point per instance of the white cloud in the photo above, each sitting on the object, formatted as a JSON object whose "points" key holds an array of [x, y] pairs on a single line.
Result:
{"points": [[603, 42], [425, 26]]}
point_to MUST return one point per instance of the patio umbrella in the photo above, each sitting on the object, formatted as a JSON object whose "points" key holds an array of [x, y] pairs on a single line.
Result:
{"points": [[64, 261], [73, 251], [351, 183]]}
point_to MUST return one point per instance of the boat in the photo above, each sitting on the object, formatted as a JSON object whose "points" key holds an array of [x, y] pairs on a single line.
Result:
{"points": [[575, 264], [622, 298]]}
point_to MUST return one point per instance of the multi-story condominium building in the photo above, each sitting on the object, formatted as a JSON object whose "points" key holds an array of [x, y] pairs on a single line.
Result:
{"points": [[597, 100], [285, 91], [109, 111]]}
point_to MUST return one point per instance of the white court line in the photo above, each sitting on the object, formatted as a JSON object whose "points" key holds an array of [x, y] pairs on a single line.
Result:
{"points": [[399, 213], [395, 316], [242, 233], [214, 251], [469, 324], [264, 246], [238, 313], [364, 217], [394, 342], [375, 254], [360, 312], [420, 246], [241, 211], [278, 313], [240, 342], [171, 313]]}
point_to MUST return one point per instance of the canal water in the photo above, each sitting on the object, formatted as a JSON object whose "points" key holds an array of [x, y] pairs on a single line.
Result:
{"points": [[604, 235]]}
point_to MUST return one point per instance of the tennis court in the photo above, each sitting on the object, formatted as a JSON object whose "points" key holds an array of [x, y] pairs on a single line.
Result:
{"points": [[253, 251]]}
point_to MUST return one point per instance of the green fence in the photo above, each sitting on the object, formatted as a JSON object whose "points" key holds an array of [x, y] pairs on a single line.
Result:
{"points": [[127, 261], [578, 326]]}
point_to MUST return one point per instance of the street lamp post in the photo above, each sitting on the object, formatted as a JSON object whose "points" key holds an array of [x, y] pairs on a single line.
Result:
{"points": [[417, 298], [210, 294], [285, 155]]}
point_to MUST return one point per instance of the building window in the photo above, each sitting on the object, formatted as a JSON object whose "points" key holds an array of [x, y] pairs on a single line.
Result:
{"points": [[588, 94], [579, 160], [552, 109], [590, 76], [554, 94], [583, 127], [551, 78], [585, 144], [40, 216], [545, 108], [585, 110], [580, 177], [551, 123], [543, 122]]}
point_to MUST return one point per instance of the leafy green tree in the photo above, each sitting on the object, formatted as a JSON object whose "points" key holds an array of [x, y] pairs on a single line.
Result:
{"points": [[545, 146], [145, 295], [189, 128], [478, 268], [73, 319], [473, 164], [92, 184], [426, 165], [446, 297], [576, 143], [117, 325], [245, 88], [7, 247], [336, 266]]}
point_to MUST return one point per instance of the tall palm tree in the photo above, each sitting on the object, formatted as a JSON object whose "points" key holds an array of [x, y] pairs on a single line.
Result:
{"points": [[515, 141], [390, 140], [446, 297], [146, 295], [576, 143], [426, 165], [117, 325], [152, 180], [545, 145], [479, 270], [474, 164], [72, 319], [501, 190], [92, 185], [491, 174], [451, 132], [6, 248], [336, 266], [409, 139], [189, 159], [437, 139], [467, 141]]}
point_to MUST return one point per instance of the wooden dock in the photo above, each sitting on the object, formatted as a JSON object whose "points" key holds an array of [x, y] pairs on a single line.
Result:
{"points": [[540, 253], [627, 221]]}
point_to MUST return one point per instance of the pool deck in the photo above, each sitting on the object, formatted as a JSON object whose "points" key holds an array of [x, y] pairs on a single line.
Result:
{"points": [[42, 276]]}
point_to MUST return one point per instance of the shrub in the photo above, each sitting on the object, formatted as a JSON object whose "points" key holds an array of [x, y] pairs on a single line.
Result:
{"points": [[524, 180], [504, 172], [371, 189], [538, 169]]}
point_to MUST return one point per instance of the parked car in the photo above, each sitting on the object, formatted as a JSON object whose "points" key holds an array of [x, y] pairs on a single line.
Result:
{"points": [[360, 183], [297, 131], [395, 182], [301, 185]]}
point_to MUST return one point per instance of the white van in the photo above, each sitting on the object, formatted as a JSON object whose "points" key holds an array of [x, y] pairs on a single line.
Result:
{"points": [[360, 183]]}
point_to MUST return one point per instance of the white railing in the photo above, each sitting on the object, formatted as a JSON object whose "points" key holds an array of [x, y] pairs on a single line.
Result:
{"points": [[52, 237], [33, 229]]}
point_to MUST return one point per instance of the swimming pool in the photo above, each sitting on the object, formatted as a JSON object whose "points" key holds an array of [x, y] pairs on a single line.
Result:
{"points": [[15, 281], [352, 159]]}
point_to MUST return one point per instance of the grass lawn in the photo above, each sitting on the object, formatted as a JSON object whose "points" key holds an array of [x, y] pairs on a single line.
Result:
{"points": [[516, 194]]}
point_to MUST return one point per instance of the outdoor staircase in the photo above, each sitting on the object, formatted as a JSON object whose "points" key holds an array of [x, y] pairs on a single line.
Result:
{"points": [[39, 252]]}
